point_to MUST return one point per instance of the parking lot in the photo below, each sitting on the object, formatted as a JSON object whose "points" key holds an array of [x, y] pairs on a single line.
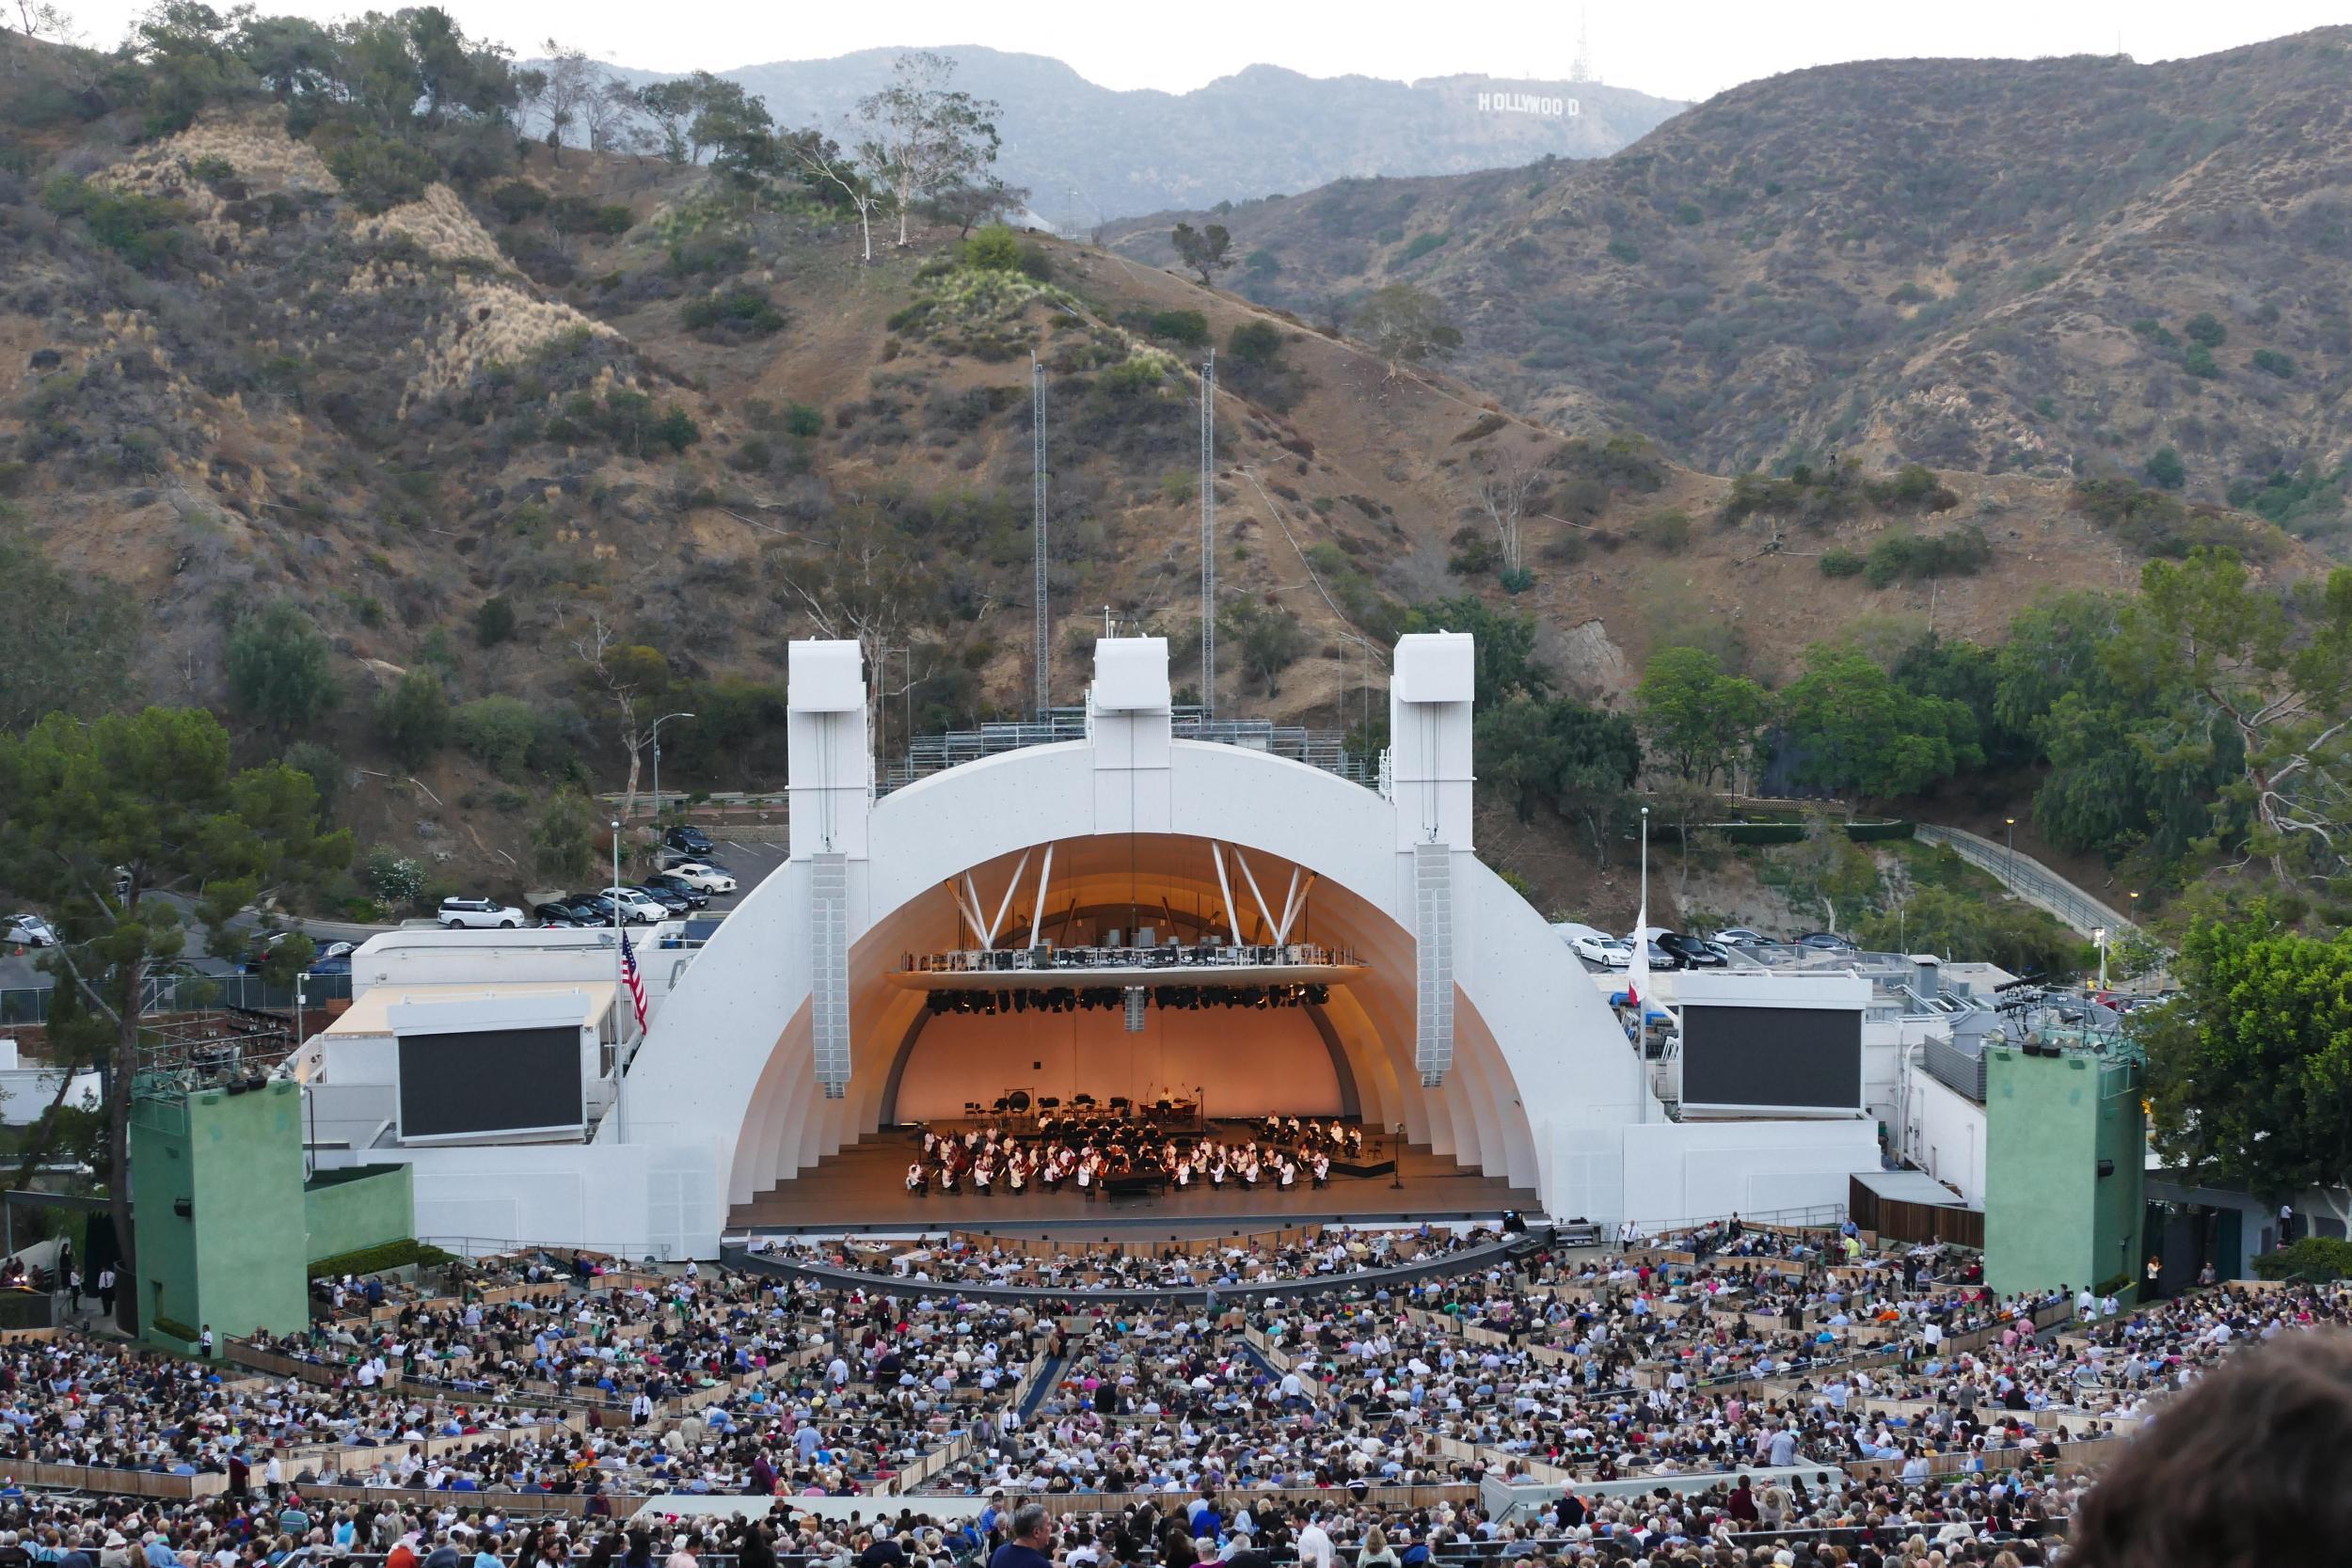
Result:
{"points": [[750, 864]]}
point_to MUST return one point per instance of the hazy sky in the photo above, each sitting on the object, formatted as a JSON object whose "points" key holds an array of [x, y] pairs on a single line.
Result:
{"points": [[1690, 50]]}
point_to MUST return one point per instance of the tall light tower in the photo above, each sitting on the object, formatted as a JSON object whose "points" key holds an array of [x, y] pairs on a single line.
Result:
{"points": [[1037, 502], [1208, 536]]}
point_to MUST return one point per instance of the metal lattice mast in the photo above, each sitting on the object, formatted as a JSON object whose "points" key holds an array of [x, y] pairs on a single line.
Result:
{"points": [[1208, 536], [1037, 484]]}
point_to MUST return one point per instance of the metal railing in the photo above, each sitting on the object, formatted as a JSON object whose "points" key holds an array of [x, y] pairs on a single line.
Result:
{"points": [[1214, 954], [1326, 749], [2031, 881], [184, 993]]}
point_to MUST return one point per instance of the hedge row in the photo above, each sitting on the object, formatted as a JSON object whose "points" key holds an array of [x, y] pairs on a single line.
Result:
{"points": [[375, 1259]]}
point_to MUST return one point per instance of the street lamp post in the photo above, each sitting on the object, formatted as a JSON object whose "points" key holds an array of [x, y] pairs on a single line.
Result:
{"points": [[2011, 823], [657, 759], [2099, 935]]}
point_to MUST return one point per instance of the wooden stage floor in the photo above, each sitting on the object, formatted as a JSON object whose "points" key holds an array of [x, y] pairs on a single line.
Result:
{"points": [[863, 1188]]}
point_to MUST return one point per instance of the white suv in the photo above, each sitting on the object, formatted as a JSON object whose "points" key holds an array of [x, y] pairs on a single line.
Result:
{"points": [[456, 913], [635, 905]]}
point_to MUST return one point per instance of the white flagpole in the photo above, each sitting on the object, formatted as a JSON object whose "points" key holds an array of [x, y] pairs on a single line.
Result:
{"points": [[620, 1022]]}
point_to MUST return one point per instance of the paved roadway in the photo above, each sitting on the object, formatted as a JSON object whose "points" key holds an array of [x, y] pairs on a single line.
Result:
{"points": [[750, 862]]}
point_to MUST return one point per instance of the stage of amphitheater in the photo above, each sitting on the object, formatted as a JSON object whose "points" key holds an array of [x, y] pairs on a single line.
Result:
{"points": [[863, 1188]]}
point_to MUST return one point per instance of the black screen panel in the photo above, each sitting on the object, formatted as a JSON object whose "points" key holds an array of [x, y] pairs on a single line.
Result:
{"points": [[489, 1080], [1793, 1056]]}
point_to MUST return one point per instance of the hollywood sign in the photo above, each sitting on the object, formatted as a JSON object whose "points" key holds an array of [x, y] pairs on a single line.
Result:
{"points": [[1526, 103]]}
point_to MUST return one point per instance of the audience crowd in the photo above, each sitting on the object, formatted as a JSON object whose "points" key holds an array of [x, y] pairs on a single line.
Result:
{"points": [[1761, 1372]]}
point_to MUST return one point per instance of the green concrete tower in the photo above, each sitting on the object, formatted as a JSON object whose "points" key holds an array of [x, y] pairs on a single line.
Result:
{"points": [[217, 1201], [2065, 1156]]}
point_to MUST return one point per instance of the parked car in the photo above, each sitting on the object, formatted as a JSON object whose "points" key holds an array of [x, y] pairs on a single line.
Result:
{"points": [[1608, 952], [677, 887], [1825, 942], [636, 905], [29, 931], [338, 963], [672, 904], [258, 952], [1741, 936], [472, 913], [688, 838], [1694, 951], [596, 906], [560, 913], [704, 875]]}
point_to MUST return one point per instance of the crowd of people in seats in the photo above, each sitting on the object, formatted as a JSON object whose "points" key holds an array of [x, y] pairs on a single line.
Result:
{"points": [[2011, 1523], [1333, 1251], [1837, 1384], [1085, 1151]]}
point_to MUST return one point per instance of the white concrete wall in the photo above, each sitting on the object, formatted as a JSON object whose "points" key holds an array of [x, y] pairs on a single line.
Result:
{"points": [[1943, 1131], [635, 1200], [412, 957], [1697, 1170], [25, 1093], [1251, 1063]]}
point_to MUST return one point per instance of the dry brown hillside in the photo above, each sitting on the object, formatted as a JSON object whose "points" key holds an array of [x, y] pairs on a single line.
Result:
{"points": [[2054, 267], [615, 393]]}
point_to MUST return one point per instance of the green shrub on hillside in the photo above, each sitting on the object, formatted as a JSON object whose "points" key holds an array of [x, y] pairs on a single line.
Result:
{"points": [[501, 731], [2163, 467], [2158, 524], [2295, 500], [412, 718], [2204, 329], [740, 312], [494, 622], [377, 171], [1837, 561], [577, 215], [2272, 362], [1814, 498], [142, 229], [994, 247], [1189, 327], [1913, 489], [517, 199], [2199, 361], [1915, 558], [1666, 530], [1255, 342]]}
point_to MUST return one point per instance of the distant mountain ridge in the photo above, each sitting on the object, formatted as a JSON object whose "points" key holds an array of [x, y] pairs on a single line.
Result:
{"points": [[1090, 153], [2058, 266]]}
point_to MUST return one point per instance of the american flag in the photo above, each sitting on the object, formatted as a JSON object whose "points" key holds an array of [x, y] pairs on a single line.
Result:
{"points": [[634, 981]]}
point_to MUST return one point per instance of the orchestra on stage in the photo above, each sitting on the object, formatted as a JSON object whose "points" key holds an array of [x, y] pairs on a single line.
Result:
{"points": [[1098, 1153]]}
